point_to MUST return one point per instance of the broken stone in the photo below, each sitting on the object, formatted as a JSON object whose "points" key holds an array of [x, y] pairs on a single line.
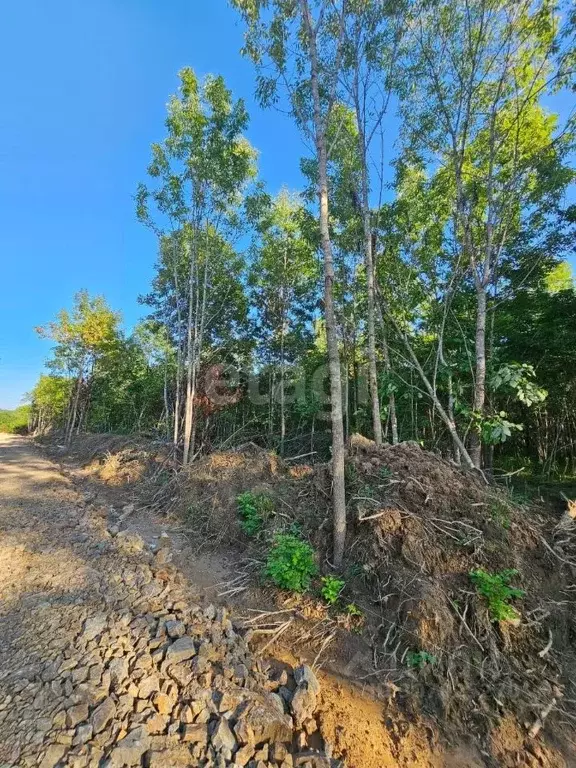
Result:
{"points": [[93, 627], [195, 733], [305, 676], [83, 734], [103, 715], [148, 686], [223, 738], [175, 629], [129, 750], [53, 755], [77, 714], [181, 650]]}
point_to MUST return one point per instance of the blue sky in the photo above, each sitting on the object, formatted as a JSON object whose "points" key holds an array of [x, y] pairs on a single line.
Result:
{"points": [[84, 86]]}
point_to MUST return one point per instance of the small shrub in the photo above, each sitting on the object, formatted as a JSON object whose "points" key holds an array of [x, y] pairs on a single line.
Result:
{"points": [[353, 610], [499, 513], [496, 589], [290, 563], [385, 472], [253, 509], [419, 659], [331, 589]]}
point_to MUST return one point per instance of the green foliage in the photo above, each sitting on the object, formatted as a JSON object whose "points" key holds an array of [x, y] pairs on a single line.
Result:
{"points": [[496, 429], [520, 378], [500, 513], [353, 610], [496, 589], [291, 563], [419, 659], [15, 421], [253, 509], [332, 589]]}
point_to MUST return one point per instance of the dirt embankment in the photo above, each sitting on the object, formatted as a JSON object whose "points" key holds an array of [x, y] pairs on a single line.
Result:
{"points": [[427, 665]]}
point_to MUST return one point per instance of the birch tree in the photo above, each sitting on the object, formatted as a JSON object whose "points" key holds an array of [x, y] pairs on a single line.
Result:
{"points": [[477, 72], [298, 45], [200, 172]]}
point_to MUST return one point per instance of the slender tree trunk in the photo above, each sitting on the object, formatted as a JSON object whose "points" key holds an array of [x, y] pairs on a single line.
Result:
{"points": [[189, 406], [74, 410], [338, 448], [391, 396], [369, 265], [480, 382]]}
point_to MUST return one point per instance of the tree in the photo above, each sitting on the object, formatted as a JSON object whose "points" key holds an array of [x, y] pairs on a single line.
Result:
{"points": [[201, 170], [283, 277], [477, 72], [83, 338], [305, 52]]}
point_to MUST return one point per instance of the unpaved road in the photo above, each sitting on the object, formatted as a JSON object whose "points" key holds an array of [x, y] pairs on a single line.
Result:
{"points": [[105, 660]]}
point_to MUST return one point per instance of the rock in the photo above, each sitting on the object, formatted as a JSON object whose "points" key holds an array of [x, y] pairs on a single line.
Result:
{"points": [[259, 720], [156, 724], [303, 703], [129, 750], [163, 703], [195, 733], [312, 759], [148, 686], [83, 734], [174, 757], [181, 650], [223, 738], [130, 543], [278, 753], [77, 714], [93, 627], [53, 755], [103, 715], [118, 669], [244, 755], [175, 629], [305, 676]]}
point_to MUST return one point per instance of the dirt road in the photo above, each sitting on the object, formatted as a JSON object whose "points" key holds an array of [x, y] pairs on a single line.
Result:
{"points": [[104, 658]]}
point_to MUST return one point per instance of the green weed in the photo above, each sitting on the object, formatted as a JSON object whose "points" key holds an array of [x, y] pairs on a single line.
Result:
{"points": [[290, 563], [419, 659], [253, 509], [331, 589], [496, 589]]}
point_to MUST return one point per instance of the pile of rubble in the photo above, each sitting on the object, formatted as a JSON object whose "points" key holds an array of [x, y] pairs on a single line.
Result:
{"points": [[126, 670]]}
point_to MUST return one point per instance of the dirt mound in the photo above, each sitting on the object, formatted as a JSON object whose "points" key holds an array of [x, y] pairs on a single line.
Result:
{"points": [[421, 527]]}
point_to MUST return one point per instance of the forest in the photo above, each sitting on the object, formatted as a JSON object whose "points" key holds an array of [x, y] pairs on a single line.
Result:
{"points": [[431, 301]]}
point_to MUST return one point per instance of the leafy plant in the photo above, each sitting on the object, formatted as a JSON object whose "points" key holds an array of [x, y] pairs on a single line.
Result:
{"points": [[253, 509], [331, 589], [499, 514], [291, 563], [419, 659], [496, 589], [353, 610], [385, 472]]}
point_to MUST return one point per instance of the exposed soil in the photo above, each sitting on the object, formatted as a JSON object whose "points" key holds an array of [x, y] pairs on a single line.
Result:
{"points": [[495, 694]]}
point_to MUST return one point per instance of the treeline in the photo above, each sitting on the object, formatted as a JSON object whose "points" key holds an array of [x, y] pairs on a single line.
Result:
{"points": [[15, 421], [438, 307]]}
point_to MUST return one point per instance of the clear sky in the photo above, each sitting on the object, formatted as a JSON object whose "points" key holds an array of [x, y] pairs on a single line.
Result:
{"points": [[84, 86]]}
